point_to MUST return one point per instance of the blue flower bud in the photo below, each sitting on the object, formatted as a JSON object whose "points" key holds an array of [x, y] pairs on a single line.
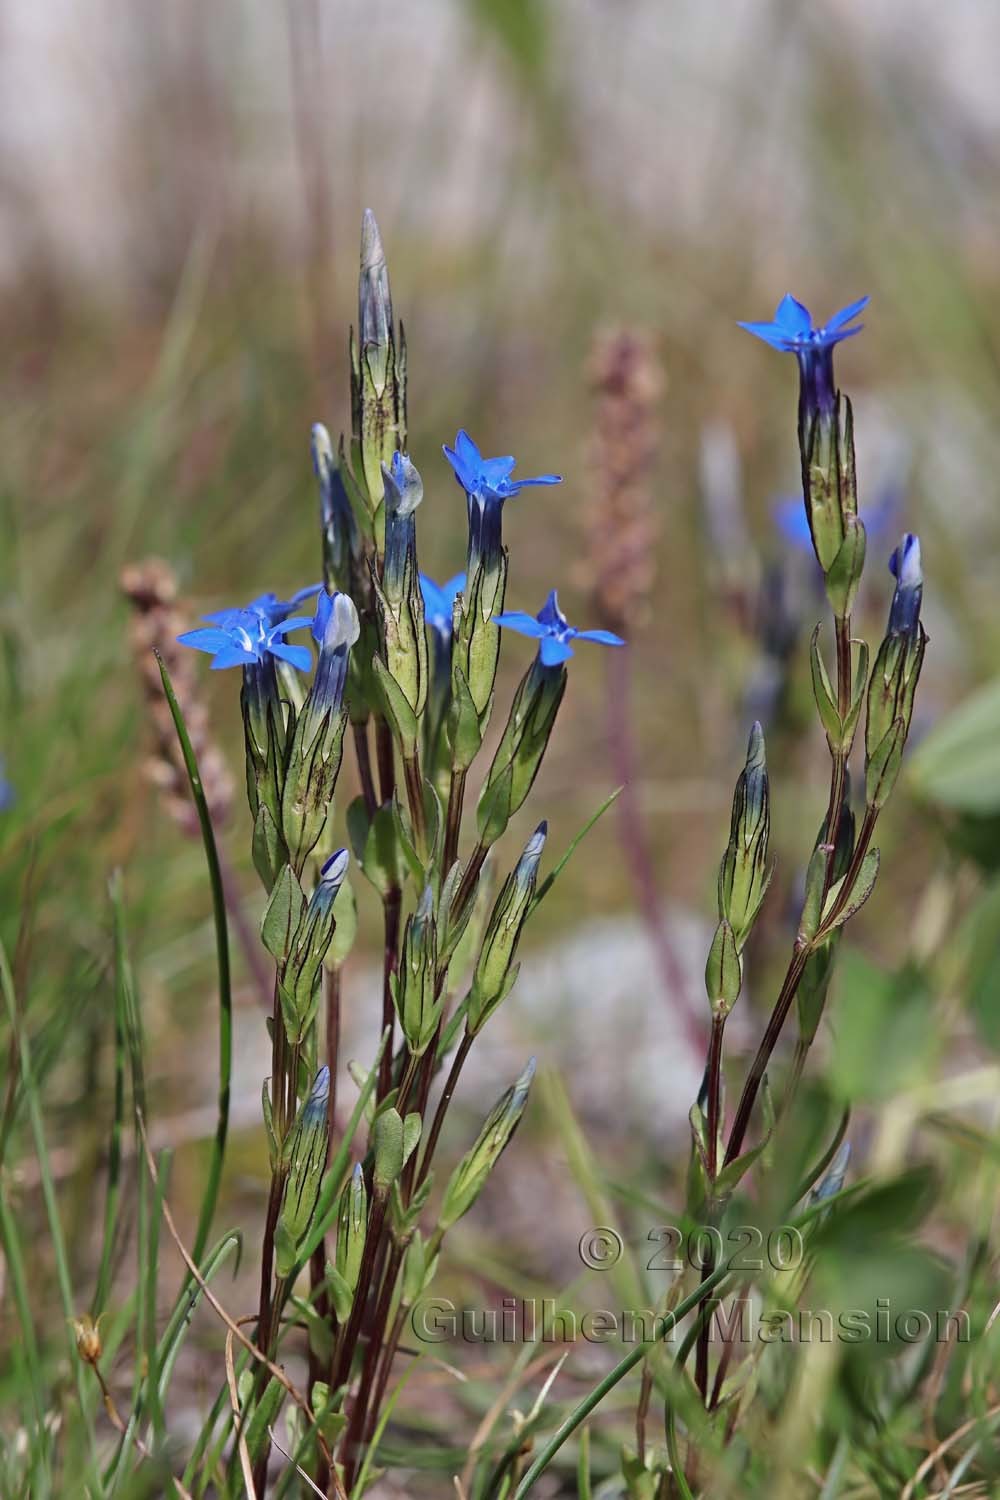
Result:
{"points": [[905, 567], [834, 1177]]}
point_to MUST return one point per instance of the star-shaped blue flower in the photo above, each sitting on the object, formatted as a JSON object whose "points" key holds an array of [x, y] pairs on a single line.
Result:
{"points": [[792, 332], [269, 607], [487, 484], [439, 600], [486, 479], [792, 329], [553, 632], [244, 638]]}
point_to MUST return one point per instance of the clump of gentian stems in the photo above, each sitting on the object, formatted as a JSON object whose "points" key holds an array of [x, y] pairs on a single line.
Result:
{"points": [[409, 668], [843, 866]]}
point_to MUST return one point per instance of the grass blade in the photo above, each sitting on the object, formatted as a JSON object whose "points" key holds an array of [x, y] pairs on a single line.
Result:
{"points": [[211, 1193]]}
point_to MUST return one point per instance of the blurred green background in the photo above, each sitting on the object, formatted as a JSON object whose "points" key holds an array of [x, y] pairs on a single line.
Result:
{"points": [[181, 192]]}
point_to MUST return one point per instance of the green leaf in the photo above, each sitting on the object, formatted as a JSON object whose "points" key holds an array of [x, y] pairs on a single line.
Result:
{"points": [[823, 692], [411, 1135], [282, 914], [493, 811], [723, 972], [383, 860], [862, 888], [268, 847], [341, 1293], [883, 765], [465, 735], [738, 1168], [397, 706], [387, 1134]]}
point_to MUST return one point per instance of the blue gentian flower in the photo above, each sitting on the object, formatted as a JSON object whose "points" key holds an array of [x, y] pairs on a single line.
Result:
{"points": [[439, 600], [905, 567], [487, 484], [552, 631], [269, 607], [6, 790], [792, 332], [244, 638]]}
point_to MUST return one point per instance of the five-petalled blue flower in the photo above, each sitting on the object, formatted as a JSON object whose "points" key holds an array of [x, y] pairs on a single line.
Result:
{"points": [[553, 632], [487, 484], [247, 637], [792, 331]]}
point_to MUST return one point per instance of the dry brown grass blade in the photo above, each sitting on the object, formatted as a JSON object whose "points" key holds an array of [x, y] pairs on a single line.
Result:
{"points": [[952, 1438], [234, 1401], [220, 1311]]}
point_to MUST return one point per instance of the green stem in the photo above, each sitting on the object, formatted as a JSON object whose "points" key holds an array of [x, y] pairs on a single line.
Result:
{"points": [[593, 1399]]}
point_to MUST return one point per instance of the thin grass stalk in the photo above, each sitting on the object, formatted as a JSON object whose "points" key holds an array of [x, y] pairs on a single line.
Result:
{"points": [[211, 1192]]}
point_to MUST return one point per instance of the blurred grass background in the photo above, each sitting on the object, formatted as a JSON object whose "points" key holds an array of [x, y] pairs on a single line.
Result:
{"points": [[181, 193]]}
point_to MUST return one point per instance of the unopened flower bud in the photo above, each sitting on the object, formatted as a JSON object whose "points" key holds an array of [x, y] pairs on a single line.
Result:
{"points": [[401, 600], [299, 974], [341, 540], [895, 674], [317, 747], [495, 970], [307, 1153], [470, 1175], [352, 1221], [835, 1175], [743, 873], [522, 747], [414, 986], [378, 386]]}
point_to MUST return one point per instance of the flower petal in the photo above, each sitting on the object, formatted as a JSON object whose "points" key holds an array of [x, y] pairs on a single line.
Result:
{"points": [[553, 651], [298, 656], [771, 334], [793, 316], [538, 479], [602, 637], [550, 614], [295, 622], [206, 638], [233, 656], [524, 624], [846, 314]]}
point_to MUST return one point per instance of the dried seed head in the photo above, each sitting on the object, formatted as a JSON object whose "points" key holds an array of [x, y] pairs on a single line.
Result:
{"points": [[151, 588], [88, 1339], [622, 527]]}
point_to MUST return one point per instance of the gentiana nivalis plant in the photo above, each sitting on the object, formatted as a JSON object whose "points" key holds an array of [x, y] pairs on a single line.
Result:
{"points": [[412, 668]]}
